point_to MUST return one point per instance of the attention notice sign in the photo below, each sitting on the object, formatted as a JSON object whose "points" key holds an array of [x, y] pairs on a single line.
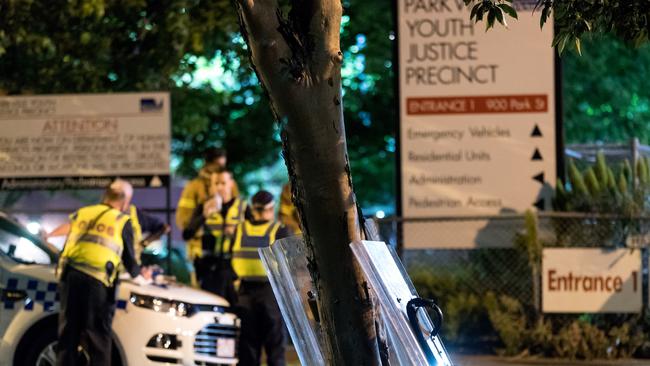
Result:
{"points": [[590, 280], [477, 121], [84, 141]]}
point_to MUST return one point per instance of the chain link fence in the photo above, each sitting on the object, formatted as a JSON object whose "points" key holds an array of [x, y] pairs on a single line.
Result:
{"points": [[485, 272]]}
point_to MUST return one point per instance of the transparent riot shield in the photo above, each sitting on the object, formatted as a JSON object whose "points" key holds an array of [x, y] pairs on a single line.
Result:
{"points": [[286, 265], [413, 335]]}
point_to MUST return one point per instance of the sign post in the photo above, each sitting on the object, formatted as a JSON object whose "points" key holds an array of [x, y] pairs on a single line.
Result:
{"points": [[477, 116]]}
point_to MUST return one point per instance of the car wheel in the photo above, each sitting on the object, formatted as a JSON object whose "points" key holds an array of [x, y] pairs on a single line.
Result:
{"points": [[42, 352], [47, 356]]}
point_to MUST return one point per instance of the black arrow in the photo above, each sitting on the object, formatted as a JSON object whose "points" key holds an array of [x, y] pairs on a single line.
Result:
{"points": [[536, 131], [537, 155], [540, 204], [539, 177]]}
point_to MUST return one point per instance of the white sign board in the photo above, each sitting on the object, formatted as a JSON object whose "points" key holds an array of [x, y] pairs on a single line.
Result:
{"points": [[591, 280], [477, 114], [83, 141]]}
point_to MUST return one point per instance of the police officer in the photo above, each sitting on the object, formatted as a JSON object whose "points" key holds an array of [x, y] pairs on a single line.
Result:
{"points": [[217, 218], [261, 320], [141, 223], [197, 192], [100, 239]]}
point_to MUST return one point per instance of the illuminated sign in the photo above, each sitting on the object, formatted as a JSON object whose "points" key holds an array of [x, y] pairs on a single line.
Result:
{"points": [[477, 120]]}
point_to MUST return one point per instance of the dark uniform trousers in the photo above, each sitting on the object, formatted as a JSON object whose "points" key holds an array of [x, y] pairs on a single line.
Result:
{"points": [[215, 274], [87, 308], [262, 325]]}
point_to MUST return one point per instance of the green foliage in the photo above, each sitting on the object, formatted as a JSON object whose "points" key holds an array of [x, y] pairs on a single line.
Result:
{"points": [[473, 314], [369, 98], [523, 331], [508, 317], [596, 190], [529, 242], [143, 46], [88, 46], [204, 118], [492, 11], [605, 94], [592, 337], [573, 19], [577, 181], [453, 284], [95, 45], [466, 319]]}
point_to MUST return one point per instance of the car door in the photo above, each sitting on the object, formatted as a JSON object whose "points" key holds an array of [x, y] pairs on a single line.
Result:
{"points": [[21, 258]]}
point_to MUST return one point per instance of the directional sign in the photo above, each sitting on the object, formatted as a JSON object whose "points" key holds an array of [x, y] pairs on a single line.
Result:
{"points": [[477, 113]]}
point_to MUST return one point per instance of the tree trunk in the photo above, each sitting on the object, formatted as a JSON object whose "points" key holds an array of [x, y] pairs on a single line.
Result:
{"points": [[298, 60]]}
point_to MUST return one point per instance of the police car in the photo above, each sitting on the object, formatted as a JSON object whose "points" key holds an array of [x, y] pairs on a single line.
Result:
{"points": [[155, 324]]}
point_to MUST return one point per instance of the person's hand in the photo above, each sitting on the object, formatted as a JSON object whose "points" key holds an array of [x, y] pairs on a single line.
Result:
{"points": [[146, 272], [141, 281], [212, 205]]}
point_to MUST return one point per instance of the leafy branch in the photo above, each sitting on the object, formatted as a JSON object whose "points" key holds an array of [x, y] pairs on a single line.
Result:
{"points": [[628, 20]]}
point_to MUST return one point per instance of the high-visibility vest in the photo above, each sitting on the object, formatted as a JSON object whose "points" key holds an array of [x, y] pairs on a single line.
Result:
{"points": [[94, 245], [245, 258], [216, 224]]}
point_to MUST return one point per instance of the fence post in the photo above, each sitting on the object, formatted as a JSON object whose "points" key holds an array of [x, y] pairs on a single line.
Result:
{"points": [[634, 144], [535, 258]]}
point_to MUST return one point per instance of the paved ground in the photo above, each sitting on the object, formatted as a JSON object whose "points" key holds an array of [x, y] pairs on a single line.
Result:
{"points": [[498, 361], [462, 360]]}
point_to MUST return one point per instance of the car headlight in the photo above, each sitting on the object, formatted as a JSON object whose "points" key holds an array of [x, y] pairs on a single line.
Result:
{"points": [[172, 307], [165, 341]]}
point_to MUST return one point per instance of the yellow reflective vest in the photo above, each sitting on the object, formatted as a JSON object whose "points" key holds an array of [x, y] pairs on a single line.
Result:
{"points": [[216, 224], [246, 260], [94, 245]]}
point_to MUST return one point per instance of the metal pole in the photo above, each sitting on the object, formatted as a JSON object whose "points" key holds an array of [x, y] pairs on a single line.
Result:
{"points": [[398, 136], [169, 222], [634, 144]]}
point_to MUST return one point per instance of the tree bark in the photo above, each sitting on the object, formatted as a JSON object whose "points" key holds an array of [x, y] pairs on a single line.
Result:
{"points": [[297, 58]]}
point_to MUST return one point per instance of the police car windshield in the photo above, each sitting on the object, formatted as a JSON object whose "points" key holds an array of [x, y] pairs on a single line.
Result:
{"points": [[19, 246]]}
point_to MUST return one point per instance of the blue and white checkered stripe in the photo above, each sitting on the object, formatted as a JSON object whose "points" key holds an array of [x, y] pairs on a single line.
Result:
{"points": [[44, 293]]}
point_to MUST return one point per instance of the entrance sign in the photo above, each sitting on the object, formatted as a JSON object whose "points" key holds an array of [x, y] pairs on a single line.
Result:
{"points": [[591, 280], [84, 141], [477, 115]]}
